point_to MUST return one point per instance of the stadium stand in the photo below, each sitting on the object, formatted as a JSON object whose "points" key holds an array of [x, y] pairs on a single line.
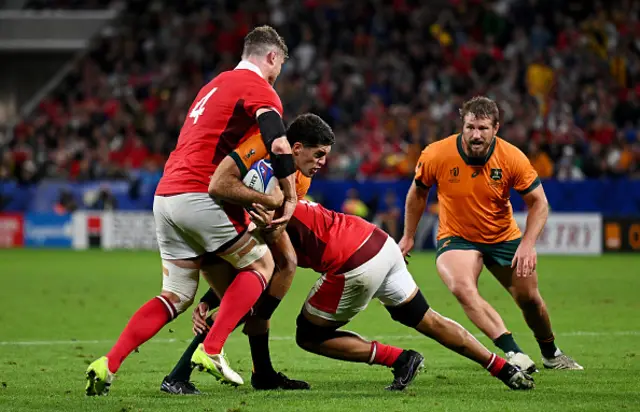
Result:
{"points": [[388, 76]]}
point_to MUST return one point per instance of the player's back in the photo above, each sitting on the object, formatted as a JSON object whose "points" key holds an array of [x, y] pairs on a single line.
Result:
{"points": [[323, 239], [221, 116]]}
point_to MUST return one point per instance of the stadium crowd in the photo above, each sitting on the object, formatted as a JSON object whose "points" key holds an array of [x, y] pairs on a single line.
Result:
{"points": [[388, 76]]}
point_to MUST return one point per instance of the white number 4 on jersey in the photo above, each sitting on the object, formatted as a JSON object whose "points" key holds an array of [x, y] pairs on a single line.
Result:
{"points": [[198, 110]]}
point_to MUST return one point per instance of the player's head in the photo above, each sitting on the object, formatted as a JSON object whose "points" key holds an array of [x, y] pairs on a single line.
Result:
{"points": [[311, 139], [265, 48], [479, 125]]}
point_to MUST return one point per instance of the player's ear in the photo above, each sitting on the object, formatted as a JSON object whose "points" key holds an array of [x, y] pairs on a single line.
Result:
{"points": [[272, 57], [297, 148], [497, 127]]}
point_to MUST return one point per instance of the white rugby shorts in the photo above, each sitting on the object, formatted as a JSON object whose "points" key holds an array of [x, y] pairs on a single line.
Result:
{"points": [[190, 224], [340, 297]]}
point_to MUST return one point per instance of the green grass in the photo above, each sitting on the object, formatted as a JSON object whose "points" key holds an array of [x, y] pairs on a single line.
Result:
{"points": [[76, 303]]}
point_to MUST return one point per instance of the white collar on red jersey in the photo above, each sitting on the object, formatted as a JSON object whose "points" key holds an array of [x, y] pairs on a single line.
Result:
{"points": [[247, 65]]}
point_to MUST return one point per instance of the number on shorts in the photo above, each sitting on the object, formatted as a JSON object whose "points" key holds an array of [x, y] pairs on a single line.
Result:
{"points": [[198, 110]]}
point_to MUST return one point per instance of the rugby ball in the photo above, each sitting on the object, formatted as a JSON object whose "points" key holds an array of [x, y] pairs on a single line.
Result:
{"points": [[260, 177]]}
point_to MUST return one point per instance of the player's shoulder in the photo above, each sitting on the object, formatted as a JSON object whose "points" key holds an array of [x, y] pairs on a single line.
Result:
{"points": [[508, 150], [242, 79], [302, 184], [304, 210], [447, 143], [439, 149]]}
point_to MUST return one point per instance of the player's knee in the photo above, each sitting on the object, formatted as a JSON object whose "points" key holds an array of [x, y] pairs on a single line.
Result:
{"points": [[309, 335], [179, 285], [465, 293], [528, 298], [265, 266], [250, 252], [410, 313]]}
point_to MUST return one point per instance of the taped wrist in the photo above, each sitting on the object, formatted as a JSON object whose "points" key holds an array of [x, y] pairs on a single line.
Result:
{"points": [[267, 306], [283, 165], [271, 127]]}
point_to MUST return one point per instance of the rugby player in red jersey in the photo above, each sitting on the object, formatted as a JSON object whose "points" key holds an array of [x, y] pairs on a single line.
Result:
{"points": [[360, 262], [196, 215]]}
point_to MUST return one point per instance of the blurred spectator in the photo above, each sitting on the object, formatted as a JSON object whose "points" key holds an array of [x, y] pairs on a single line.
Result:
{"points": [[101, 199], [66, 203], [388, 76], [540, 161], [353, 205], [388, 215], [568, 165]]}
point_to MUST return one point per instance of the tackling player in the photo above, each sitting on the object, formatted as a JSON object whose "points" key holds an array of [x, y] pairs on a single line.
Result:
{"points": [[360, 262], [193, 214], [311, 140], [474, 172]]}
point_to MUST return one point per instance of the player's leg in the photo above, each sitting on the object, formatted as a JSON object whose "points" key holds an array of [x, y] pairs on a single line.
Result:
{"points": [[406, 304], [336, 299], [178, 380], [254, 266], [322, 337], [459, 265], [180, 267], [264, 376], [527, 295]]}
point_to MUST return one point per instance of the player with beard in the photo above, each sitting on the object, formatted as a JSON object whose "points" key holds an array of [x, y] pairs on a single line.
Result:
{"points": [[474, 172]]}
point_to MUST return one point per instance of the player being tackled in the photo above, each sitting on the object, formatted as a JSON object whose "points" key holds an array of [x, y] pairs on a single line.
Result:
{"points": [[311, 139]]}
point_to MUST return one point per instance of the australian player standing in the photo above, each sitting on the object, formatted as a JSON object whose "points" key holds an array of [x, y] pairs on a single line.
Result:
{"points": [[474, 172], [193, 216]]}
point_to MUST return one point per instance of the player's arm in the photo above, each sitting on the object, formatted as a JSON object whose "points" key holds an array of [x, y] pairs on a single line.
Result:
{"points": [[527, 183], [538, 206], [226, 184], [416, 202], [274, 134]]}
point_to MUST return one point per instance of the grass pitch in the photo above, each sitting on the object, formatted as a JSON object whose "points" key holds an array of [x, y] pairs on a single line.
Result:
{"points": [[59, 310]]}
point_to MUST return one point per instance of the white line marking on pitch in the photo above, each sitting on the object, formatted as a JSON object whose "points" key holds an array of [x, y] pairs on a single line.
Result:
{"points": [[287, 338]]}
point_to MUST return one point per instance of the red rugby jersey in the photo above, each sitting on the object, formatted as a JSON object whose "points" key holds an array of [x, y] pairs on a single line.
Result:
{"points": [[323, 239], [222, 116]]}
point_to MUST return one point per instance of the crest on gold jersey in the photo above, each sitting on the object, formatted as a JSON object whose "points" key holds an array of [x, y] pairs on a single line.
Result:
{"points": [[249, 154], [496, 174]]}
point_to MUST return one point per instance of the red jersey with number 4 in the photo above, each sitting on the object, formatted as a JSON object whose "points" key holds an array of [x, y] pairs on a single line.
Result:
{"points": [[222, 115], [323, 239]]}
